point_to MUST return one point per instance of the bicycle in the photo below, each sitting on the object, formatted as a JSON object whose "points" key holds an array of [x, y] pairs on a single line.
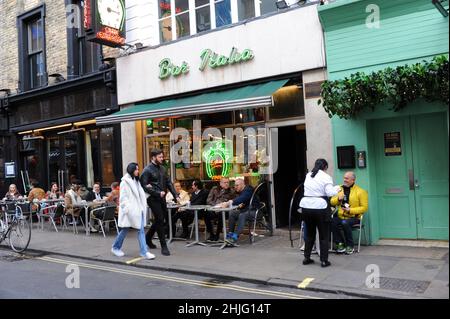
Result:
{"points": [[16, 229]]}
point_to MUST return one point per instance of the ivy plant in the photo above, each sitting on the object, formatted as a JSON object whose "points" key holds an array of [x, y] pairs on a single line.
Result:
{"points": [[396, 87]]}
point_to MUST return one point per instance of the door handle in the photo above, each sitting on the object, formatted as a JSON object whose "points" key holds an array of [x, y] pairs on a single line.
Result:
{"points": [[416, 184], [411, 179]]}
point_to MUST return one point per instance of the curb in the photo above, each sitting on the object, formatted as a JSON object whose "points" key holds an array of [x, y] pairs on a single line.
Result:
{"points": [[275, 282]]}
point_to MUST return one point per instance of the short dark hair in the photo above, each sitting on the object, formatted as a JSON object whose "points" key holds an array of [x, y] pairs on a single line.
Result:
{"points": [[155, 152], [114, 185], [198, 183], [34, 183]]}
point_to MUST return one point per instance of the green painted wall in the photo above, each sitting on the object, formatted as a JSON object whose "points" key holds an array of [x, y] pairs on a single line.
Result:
{"points": [[410, 31]]}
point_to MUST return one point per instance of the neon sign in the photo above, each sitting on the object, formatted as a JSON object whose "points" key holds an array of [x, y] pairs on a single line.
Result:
{"points": [[217, 156]]}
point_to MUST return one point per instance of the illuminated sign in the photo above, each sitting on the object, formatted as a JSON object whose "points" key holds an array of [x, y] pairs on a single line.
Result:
{"points": [[217, 157], [104, 22], [207, 58]]}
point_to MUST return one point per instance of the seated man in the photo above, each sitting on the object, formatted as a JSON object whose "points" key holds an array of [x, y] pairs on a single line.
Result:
{"points": [[96, 194], [36, 193], [352, 203], [217, 195], [184, 199], [245, 212]]}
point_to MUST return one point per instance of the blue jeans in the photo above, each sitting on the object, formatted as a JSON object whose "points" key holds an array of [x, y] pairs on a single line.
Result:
{"points": [[141, 238], [346, 225]]}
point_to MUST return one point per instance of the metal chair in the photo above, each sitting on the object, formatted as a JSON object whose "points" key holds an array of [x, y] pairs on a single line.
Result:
{"points": [[106, 214], [360, 228], [53, 213], [261, 217]]}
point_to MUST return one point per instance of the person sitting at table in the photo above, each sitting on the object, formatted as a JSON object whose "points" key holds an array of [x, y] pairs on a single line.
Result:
{"points": [[114, 196], [244, 213], [217, 195], [96, 194], [12, 193], [184, 199], [71, 198], [36, 194], [54, 192]]}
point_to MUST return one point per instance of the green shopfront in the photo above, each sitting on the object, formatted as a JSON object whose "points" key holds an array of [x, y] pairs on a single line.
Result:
{"points": [[401, 157]]}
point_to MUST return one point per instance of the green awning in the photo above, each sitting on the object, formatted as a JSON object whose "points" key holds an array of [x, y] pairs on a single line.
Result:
{"points": [[250, 96]]}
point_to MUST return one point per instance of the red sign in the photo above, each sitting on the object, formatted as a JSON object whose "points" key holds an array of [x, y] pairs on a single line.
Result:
{"points": [[87, 15], [110, 35]]}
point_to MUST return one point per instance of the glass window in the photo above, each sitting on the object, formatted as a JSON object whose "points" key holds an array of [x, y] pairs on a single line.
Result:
{"points": [[184, 122], [223, 12], [157, 126], [165, 25], [249, 115], [107, 149], [203, 15], [164, 8], [183, 28], [35, 53], [267, 6], [288, 102], [246, 9], [216, 119], [37, 72]]}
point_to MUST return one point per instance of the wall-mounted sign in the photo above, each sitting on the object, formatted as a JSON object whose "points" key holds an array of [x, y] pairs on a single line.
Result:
{"points": [[208, 58], [10, 170], [392, 144], [104, 22], [217, 158]]}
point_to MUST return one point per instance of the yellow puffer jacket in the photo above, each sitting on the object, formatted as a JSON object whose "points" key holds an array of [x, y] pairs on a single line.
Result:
{"points": [[358, 201]]}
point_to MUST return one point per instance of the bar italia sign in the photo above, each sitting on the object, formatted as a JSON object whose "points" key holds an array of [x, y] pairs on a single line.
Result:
{"points": [[208, 58]]}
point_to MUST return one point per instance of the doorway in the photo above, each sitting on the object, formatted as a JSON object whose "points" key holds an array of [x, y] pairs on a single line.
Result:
{"points": [[411, 155], [291, 170]]}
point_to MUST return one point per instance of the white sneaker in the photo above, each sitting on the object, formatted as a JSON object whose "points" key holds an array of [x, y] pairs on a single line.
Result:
{"points": [[149, 255], [93, 230], [302, 248], [117, 252]]}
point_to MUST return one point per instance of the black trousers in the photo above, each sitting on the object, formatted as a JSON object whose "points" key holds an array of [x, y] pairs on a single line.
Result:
{"points": [[186, 217], [320, 219], [159, 211], [210, 216]]}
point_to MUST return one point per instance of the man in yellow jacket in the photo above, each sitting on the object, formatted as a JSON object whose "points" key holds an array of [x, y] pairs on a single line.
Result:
{"points": [[352, 202]]}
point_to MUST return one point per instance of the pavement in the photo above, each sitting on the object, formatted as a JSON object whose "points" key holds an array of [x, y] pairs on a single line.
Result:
{"points": [[380, 271]]}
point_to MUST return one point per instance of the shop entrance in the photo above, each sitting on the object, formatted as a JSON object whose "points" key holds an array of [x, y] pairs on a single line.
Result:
{"points": [[291, 170], [412, 176]]}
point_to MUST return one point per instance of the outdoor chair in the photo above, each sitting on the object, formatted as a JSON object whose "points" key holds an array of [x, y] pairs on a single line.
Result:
{"points": [[360, 228], [53, 213], [105, 214], [261, 218]]}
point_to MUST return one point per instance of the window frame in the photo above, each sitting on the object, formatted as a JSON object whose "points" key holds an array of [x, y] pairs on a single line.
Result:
{"points": [[77, 47], [24, 21]]}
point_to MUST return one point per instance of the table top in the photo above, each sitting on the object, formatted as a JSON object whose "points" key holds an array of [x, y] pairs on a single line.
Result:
{"points": [[221, 209], [196, 207]]}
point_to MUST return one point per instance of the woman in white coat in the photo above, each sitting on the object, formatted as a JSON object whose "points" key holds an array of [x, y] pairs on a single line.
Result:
{"points": [[132, 211]]}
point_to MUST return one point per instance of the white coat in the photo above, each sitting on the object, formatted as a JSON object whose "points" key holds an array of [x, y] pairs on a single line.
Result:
{"points": [[132, 203]]}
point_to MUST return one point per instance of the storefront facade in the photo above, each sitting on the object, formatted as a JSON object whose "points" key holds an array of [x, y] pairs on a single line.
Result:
{"points": [[261, 75], [406, 169]]}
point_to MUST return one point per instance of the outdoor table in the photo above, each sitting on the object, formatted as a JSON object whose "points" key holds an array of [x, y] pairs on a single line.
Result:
{"points": [[86, 205], [196, 208], [171, 206], [224, 211]]}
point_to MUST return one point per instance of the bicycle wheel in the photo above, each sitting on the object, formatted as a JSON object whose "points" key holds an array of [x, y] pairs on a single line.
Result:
{"points": [[19, 235]]}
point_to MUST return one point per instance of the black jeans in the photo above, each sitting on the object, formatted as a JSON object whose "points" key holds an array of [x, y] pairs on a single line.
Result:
{"points": [[320, 219], [159, 211], [186, 217], [210, 216], [346, 225]]}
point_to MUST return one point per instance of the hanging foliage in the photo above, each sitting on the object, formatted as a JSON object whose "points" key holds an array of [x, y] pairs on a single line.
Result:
{"points": [[397, 87]]}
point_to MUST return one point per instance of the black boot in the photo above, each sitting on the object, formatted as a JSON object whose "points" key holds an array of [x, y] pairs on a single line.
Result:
{"points": [[164, 250], [148, 239], [307, 261]]}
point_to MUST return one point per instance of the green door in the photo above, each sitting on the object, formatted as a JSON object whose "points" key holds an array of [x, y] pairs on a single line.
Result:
{"points": [[412, 176]]}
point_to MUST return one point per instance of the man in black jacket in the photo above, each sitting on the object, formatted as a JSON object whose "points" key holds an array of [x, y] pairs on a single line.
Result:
{"points": [[198, 197], [155, 181]]}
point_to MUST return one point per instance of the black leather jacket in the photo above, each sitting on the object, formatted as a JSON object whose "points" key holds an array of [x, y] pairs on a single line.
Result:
{"points": [[156, 176]]}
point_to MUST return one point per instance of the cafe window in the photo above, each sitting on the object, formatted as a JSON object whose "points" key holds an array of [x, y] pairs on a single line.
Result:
{"points": [[246, 9], [223, 12], [267, 6], [157, 126], [202, 15], [32, 64], [288, 103]]}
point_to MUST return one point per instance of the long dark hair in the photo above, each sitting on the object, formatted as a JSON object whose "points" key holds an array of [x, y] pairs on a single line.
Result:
{"points": [[320, 164], [130, 170]]}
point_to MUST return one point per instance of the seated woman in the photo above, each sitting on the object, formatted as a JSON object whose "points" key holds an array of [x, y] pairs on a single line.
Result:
{"points": [[36, 194], [12, 194], [54, 192], [72, 198], [184, 199]]}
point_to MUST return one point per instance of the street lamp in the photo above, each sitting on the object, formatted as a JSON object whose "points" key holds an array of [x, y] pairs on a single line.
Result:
{"points": [[440, 7]]}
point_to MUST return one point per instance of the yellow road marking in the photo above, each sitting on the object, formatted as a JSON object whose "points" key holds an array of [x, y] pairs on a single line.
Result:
{"points": [[134, 260], [305, 283], [180, 280]]}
